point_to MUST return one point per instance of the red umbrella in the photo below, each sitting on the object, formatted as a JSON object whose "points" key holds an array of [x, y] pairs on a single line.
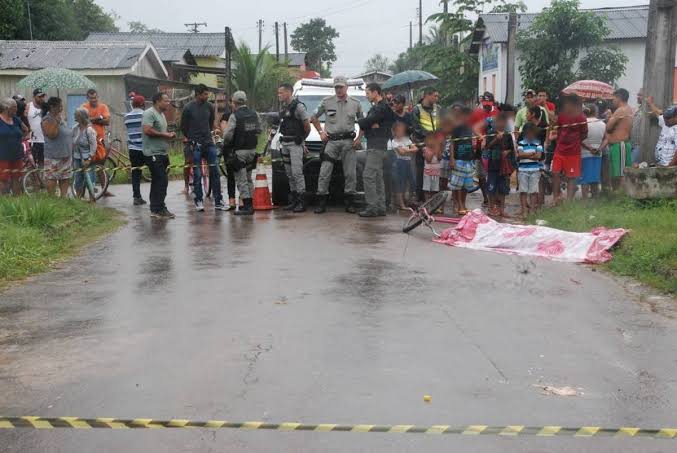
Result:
{"points": [[590, 89]]}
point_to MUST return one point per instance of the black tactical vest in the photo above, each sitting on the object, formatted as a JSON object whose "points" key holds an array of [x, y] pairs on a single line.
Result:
{"points": [[246, 129], [290, 125]]}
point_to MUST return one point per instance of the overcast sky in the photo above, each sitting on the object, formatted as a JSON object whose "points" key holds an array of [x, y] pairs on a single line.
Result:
{"points": [[366, 26]]}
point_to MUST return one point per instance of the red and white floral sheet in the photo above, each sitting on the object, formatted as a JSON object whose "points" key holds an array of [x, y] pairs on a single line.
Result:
{"points": [[478, 231]]}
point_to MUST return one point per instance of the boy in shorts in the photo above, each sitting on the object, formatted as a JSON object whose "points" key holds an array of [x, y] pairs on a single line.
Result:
{"points": [[530, 161], [462, 162], [572, 129]]}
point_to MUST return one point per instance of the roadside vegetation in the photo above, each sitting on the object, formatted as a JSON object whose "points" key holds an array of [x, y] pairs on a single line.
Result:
{"points": [[648, 253], [35, 232]]}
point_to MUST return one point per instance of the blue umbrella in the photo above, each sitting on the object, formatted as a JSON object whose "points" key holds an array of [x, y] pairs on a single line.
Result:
{"points": [[410, 80]]}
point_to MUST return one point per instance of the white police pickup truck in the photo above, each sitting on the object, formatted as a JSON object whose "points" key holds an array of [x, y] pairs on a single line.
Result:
{"points": [[311, 92]]}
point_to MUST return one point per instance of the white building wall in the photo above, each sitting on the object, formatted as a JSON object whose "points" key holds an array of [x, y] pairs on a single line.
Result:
{"points": [[632, 80]]}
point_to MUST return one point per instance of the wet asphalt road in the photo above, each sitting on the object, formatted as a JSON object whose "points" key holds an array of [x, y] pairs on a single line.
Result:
{"points": [[325, 319]]}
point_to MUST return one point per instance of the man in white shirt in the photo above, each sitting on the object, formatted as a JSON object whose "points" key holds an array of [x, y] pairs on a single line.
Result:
{"points": [[35, 121]]}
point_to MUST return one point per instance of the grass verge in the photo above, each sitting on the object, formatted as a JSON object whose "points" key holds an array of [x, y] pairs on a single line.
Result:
{"points": [[648, 253], [37, 231]]}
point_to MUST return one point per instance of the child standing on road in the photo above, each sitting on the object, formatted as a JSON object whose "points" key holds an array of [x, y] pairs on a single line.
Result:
{"points": [[529, 155], [432, 167], [404, 173], [499, 168], [462, 161]]}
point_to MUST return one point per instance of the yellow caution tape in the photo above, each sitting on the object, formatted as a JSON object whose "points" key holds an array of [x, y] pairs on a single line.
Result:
{"points": [[467, 430]]}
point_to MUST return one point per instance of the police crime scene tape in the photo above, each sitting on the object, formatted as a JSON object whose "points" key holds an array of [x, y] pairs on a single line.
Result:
{"points": [[464, 430]]}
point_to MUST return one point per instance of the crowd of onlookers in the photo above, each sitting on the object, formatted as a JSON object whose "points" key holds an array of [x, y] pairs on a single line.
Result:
{"points": [[37, 132], [539, 149]]}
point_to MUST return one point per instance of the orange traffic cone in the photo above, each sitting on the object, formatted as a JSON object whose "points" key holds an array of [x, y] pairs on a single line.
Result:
{"points": [[262, 199]]}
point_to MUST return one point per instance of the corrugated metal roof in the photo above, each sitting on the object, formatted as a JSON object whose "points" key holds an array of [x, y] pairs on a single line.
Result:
{"points": [[69, 54], [199, 44], [623, 23]]}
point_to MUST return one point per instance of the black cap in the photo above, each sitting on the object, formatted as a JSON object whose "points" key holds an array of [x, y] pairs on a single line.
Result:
{"points": [[38, 92]]}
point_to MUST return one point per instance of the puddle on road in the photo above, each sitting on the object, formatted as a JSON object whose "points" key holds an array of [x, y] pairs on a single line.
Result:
{"points": [[377, 280]]}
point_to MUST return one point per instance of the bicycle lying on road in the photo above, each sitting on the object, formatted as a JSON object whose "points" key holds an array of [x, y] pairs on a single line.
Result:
{"points": [[423, 214]]}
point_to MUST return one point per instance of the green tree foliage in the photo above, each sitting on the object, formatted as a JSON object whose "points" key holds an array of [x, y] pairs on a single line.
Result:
{"points": [[11, 17], [551, 47], [316, 39], [90, 17], [519, 7], [377, 63], [53, 19], [602, 63], [456, 70], [140, 27], [258, 75], [443, 55]]}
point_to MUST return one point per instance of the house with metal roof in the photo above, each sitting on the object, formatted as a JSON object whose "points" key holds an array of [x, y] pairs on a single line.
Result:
{"points": [[205, 50], [116, 68], [628, 32]]}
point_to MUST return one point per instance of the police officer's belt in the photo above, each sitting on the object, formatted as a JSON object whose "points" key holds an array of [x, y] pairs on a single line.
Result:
{"points": [[287, 139], [346, 136]]}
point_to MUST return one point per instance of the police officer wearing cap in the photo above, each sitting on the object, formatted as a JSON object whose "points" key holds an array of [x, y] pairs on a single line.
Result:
{"points": [[341, 113], [242, 132], [294, 128]]}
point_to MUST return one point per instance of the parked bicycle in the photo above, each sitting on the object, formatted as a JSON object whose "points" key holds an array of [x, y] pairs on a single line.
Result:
{"points": [[116, 158], [34, 179]]}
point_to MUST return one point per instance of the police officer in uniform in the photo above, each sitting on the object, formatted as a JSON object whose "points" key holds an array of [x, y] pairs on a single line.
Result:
{"points": [[377, 127], [294, 128], [242, 132], [341, 113]]}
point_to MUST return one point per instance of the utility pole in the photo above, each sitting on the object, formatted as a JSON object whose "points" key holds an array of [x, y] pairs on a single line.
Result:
{"points": [[286, 46], [411, 34], [228, 86], [444, 32], [510, 70], [420, 22], [277, 42], [259, 25], [194, 27], [659, 66], [30, 21]]}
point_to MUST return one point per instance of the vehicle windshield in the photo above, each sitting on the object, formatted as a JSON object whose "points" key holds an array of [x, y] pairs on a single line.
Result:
{"points": [[312, 101]]}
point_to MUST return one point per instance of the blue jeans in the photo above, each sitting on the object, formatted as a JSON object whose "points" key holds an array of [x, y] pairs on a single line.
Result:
{"points": [[83, 177], [404, 174], [199, 151]]}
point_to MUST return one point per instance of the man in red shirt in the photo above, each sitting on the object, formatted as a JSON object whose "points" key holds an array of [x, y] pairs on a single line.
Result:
{"points": [[572, 129], [486, 109]]}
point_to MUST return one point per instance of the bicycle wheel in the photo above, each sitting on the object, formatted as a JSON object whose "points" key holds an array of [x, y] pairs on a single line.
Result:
{"points": [[413, 222], [430, 206], [33, 182], [101, 181], [145, 174], [111, 168]]}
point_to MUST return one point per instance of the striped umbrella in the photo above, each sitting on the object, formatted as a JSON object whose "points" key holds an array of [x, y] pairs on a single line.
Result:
{"points": [[590, 89]]}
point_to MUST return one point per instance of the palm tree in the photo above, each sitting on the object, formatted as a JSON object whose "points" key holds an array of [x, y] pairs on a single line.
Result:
{"points": [[258, 75]]}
